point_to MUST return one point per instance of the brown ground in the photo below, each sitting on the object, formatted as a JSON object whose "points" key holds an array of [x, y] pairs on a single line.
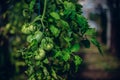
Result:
{"points": [[99, 67]]}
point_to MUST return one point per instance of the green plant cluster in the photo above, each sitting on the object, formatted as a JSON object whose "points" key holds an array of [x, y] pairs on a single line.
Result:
{"points": [[54, 37], [11, 21]]}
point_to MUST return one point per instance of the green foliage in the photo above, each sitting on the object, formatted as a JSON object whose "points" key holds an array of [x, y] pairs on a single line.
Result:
{"points": [[31, 6], [97, 44], [55, 15], [75, 48], [77, 61], [53, 45], [90, 32], [86, 43], [55, 31], [11, 30]]}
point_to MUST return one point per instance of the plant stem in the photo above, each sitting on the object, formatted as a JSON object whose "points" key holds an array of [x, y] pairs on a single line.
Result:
{"points": [[36, 19], [44, 10], [43, 15]]}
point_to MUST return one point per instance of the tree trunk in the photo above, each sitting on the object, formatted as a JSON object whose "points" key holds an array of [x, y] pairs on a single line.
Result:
{"points": [[114, 6]]}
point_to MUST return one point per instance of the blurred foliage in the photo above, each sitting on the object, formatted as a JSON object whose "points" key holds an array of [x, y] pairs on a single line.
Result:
{"points": [[12, 20]]}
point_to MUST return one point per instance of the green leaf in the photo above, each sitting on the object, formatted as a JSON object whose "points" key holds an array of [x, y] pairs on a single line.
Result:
{"points": [[53, 73], [82, 21], [55, 31], [86, 43], [70, 9], [75, 48], [68, 39], [67, 13], [66, 55], [31, 6], [31, 77], [45, 71], [39, 75], [77, 61], [66, 67], [46, 61], [55, 15], [79, 8], [34, 45], [90, 31], [97, 44], [69, 6], [64, 24], [58, 54], [73, 14], [30, 70]]}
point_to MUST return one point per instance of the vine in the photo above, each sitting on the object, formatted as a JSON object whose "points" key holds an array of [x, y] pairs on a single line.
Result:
{"points": [[43, 15], [54, 38]]}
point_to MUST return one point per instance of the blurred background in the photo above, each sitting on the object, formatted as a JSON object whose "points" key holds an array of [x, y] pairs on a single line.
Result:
{"points": [[103, 15]]}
